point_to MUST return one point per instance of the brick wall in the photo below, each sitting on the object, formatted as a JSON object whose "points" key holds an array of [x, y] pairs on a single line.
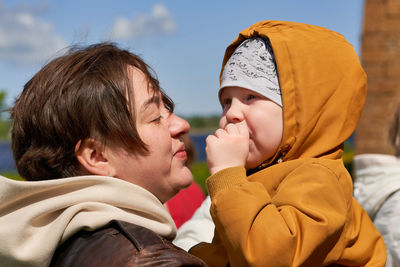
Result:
{"points": [[380, 57]]}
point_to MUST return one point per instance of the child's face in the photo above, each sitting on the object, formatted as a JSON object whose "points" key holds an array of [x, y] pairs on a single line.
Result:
{"points": [[263, 118]]}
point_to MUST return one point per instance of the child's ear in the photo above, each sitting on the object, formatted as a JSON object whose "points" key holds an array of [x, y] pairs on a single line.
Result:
{"points": [[92, 156]]}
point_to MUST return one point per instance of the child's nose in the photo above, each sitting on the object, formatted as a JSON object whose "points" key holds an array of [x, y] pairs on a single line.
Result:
{"points": [[234, 113], [178, 126]]}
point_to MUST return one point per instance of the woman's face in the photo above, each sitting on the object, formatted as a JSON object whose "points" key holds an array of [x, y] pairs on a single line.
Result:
{"points": [[162, 170]]}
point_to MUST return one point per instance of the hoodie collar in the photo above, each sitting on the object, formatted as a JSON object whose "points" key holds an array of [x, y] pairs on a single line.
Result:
{"points": [[35, 217]]}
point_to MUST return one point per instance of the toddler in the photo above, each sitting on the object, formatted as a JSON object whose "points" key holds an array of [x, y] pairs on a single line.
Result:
{"points": [[291, 95]]}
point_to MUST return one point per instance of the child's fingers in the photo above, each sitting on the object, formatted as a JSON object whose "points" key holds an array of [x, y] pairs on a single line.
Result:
{"points": [[210, 138], [239, 129], [220, 133], [242, 129], [231, 129]]}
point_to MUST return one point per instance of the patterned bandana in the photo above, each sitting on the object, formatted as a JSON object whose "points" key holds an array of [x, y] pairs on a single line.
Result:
{"points": [[251, 66]]}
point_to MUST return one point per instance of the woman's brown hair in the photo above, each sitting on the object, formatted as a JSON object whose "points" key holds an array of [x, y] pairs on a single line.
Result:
{"points": [[83, 94]]}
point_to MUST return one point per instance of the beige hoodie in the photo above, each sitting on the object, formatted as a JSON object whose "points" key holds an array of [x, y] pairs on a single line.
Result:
{"points": [[35, 217]]}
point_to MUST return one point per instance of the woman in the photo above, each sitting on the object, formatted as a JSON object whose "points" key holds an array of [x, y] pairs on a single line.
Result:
{"points": [[98, 142]]}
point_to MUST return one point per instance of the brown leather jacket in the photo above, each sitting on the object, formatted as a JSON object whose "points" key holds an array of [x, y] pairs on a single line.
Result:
{"points": [[121, 244]]}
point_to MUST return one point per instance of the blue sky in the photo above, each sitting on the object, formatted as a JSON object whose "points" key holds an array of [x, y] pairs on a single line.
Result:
{"points": [[184, 41]]}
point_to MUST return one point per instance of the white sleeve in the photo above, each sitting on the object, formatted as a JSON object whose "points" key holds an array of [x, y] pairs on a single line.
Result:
{"points": [[387, 222], [200, 228], [377, 189]]}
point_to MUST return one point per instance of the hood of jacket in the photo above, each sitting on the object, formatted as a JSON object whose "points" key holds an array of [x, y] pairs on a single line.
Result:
{"points": [[323, 87], [35, 217]]}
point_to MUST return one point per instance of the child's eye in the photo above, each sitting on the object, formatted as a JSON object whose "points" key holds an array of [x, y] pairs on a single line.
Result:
{"points": [[226, 102], [251, 97]]}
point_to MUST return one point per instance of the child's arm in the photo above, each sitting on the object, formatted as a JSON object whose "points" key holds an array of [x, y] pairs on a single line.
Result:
{"points": [[304, 220]]}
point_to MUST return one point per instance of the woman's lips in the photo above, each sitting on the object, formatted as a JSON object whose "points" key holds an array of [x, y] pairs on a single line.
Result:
{"points": [[181, 152]]}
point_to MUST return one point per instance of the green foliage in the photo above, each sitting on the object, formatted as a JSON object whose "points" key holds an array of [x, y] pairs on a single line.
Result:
{"points": [[2, 98], [12, 175], [204, 123], [200, 174], [5, 124], [5, 127], [348, 154]]}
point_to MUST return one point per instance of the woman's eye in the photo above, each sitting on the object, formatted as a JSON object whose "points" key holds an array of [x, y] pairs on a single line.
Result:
{"points": [[157, 120]]}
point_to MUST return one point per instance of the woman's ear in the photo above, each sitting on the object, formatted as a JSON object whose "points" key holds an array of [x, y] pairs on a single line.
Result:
{"points": [[92, 156]]}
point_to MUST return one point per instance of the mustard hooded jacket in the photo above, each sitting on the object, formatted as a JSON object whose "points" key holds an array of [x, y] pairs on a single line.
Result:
{"points": [[299, 210]]}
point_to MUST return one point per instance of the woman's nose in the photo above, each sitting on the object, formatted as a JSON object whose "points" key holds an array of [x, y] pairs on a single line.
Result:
{"points": [[178, 126]]}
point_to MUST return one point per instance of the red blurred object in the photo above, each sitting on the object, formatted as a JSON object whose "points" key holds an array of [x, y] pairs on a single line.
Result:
{"points": [[185, 203]]}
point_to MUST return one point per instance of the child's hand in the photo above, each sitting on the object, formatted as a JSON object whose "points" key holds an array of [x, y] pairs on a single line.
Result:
{"points": [[228, 147]]}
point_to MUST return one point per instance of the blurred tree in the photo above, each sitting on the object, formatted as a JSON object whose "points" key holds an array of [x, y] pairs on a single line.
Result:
{"points": [[5, 124], [2, 100], [203, 122], [380, 54]]}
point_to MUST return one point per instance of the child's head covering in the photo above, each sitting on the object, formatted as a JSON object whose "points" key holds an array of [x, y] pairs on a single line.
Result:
{"points": [[252, 66]]}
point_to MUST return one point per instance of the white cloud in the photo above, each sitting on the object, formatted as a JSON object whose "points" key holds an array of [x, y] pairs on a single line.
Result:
{"points": [[25, 38], [160, 21]]}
